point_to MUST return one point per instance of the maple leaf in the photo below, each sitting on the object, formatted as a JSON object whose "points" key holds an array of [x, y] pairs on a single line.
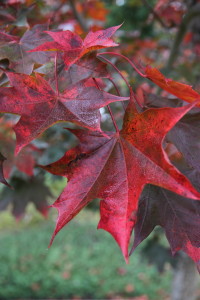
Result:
{"points": [[100, 168], [15, 49], [25, 161], [180, 90], [32, 190], [179, 217], [73, 47], [40, 107], [89, 66], [2, 178], [185, 134]]}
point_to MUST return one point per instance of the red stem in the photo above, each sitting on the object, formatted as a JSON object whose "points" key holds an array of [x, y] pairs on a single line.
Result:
{"points": [[117, 90], [115, 86], [56, 76], [118, 71], [110, 111], [127, 59]]}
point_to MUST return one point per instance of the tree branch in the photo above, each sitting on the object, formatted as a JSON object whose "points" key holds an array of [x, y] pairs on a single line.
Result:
{"points": [[78, 16], [192, 13]]}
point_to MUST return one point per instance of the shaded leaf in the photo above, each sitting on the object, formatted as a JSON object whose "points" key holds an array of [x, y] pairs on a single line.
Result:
{"points": [[32, 190], [89, 66], [185, 134], [15, 49], [179, 216]]}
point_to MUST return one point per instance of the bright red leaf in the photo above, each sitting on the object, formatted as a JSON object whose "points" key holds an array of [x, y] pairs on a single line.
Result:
{"points": [[180, 90], [116, 167], [73, 47]]}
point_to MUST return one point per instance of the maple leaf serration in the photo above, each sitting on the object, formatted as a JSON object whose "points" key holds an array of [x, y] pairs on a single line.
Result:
{"points": [[40, 107], [99, 167], [73, 47]]}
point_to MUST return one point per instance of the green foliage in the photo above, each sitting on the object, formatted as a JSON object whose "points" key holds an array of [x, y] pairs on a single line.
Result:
{"points": [[75, 267], [134, 15]]}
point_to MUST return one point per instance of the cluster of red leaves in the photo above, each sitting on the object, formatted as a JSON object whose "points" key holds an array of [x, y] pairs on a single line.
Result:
{"points": [[113, 166]]}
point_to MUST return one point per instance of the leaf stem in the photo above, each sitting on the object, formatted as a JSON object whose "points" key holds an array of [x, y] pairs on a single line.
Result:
{"points": [[118, 71], [192, 13], [56, 75], [109, 109], [127, 59], [117, 90]]}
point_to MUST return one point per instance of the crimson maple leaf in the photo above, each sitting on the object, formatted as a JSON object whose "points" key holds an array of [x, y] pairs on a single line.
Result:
{"points": [[116, 166], [39, 106], [73, 47], [185, 134]]}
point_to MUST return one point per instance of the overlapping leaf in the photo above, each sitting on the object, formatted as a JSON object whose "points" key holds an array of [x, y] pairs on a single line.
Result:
{"points": [[40, 107], [25, 161], [73, 47], [32, 190], [89, 66], [179, 216], [116, 167], [180, 90], [185, 134], [15, 49]]}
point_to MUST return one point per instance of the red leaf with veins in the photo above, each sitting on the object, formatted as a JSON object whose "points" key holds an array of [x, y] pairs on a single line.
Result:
{"points": [[100, 168], [40, 107], [73, 47]]}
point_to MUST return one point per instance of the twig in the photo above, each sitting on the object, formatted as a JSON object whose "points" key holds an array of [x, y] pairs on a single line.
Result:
{"points": [[78, 16], [110, 111], [192, 13], [154, 13]]}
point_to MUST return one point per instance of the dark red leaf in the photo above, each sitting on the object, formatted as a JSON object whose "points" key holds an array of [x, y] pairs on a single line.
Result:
{"points": [[40, 107], [100, 168], [179, 216]]}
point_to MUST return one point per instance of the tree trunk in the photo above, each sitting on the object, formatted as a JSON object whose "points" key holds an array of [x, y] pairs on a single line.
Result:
{"points": [[184, 286]]}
